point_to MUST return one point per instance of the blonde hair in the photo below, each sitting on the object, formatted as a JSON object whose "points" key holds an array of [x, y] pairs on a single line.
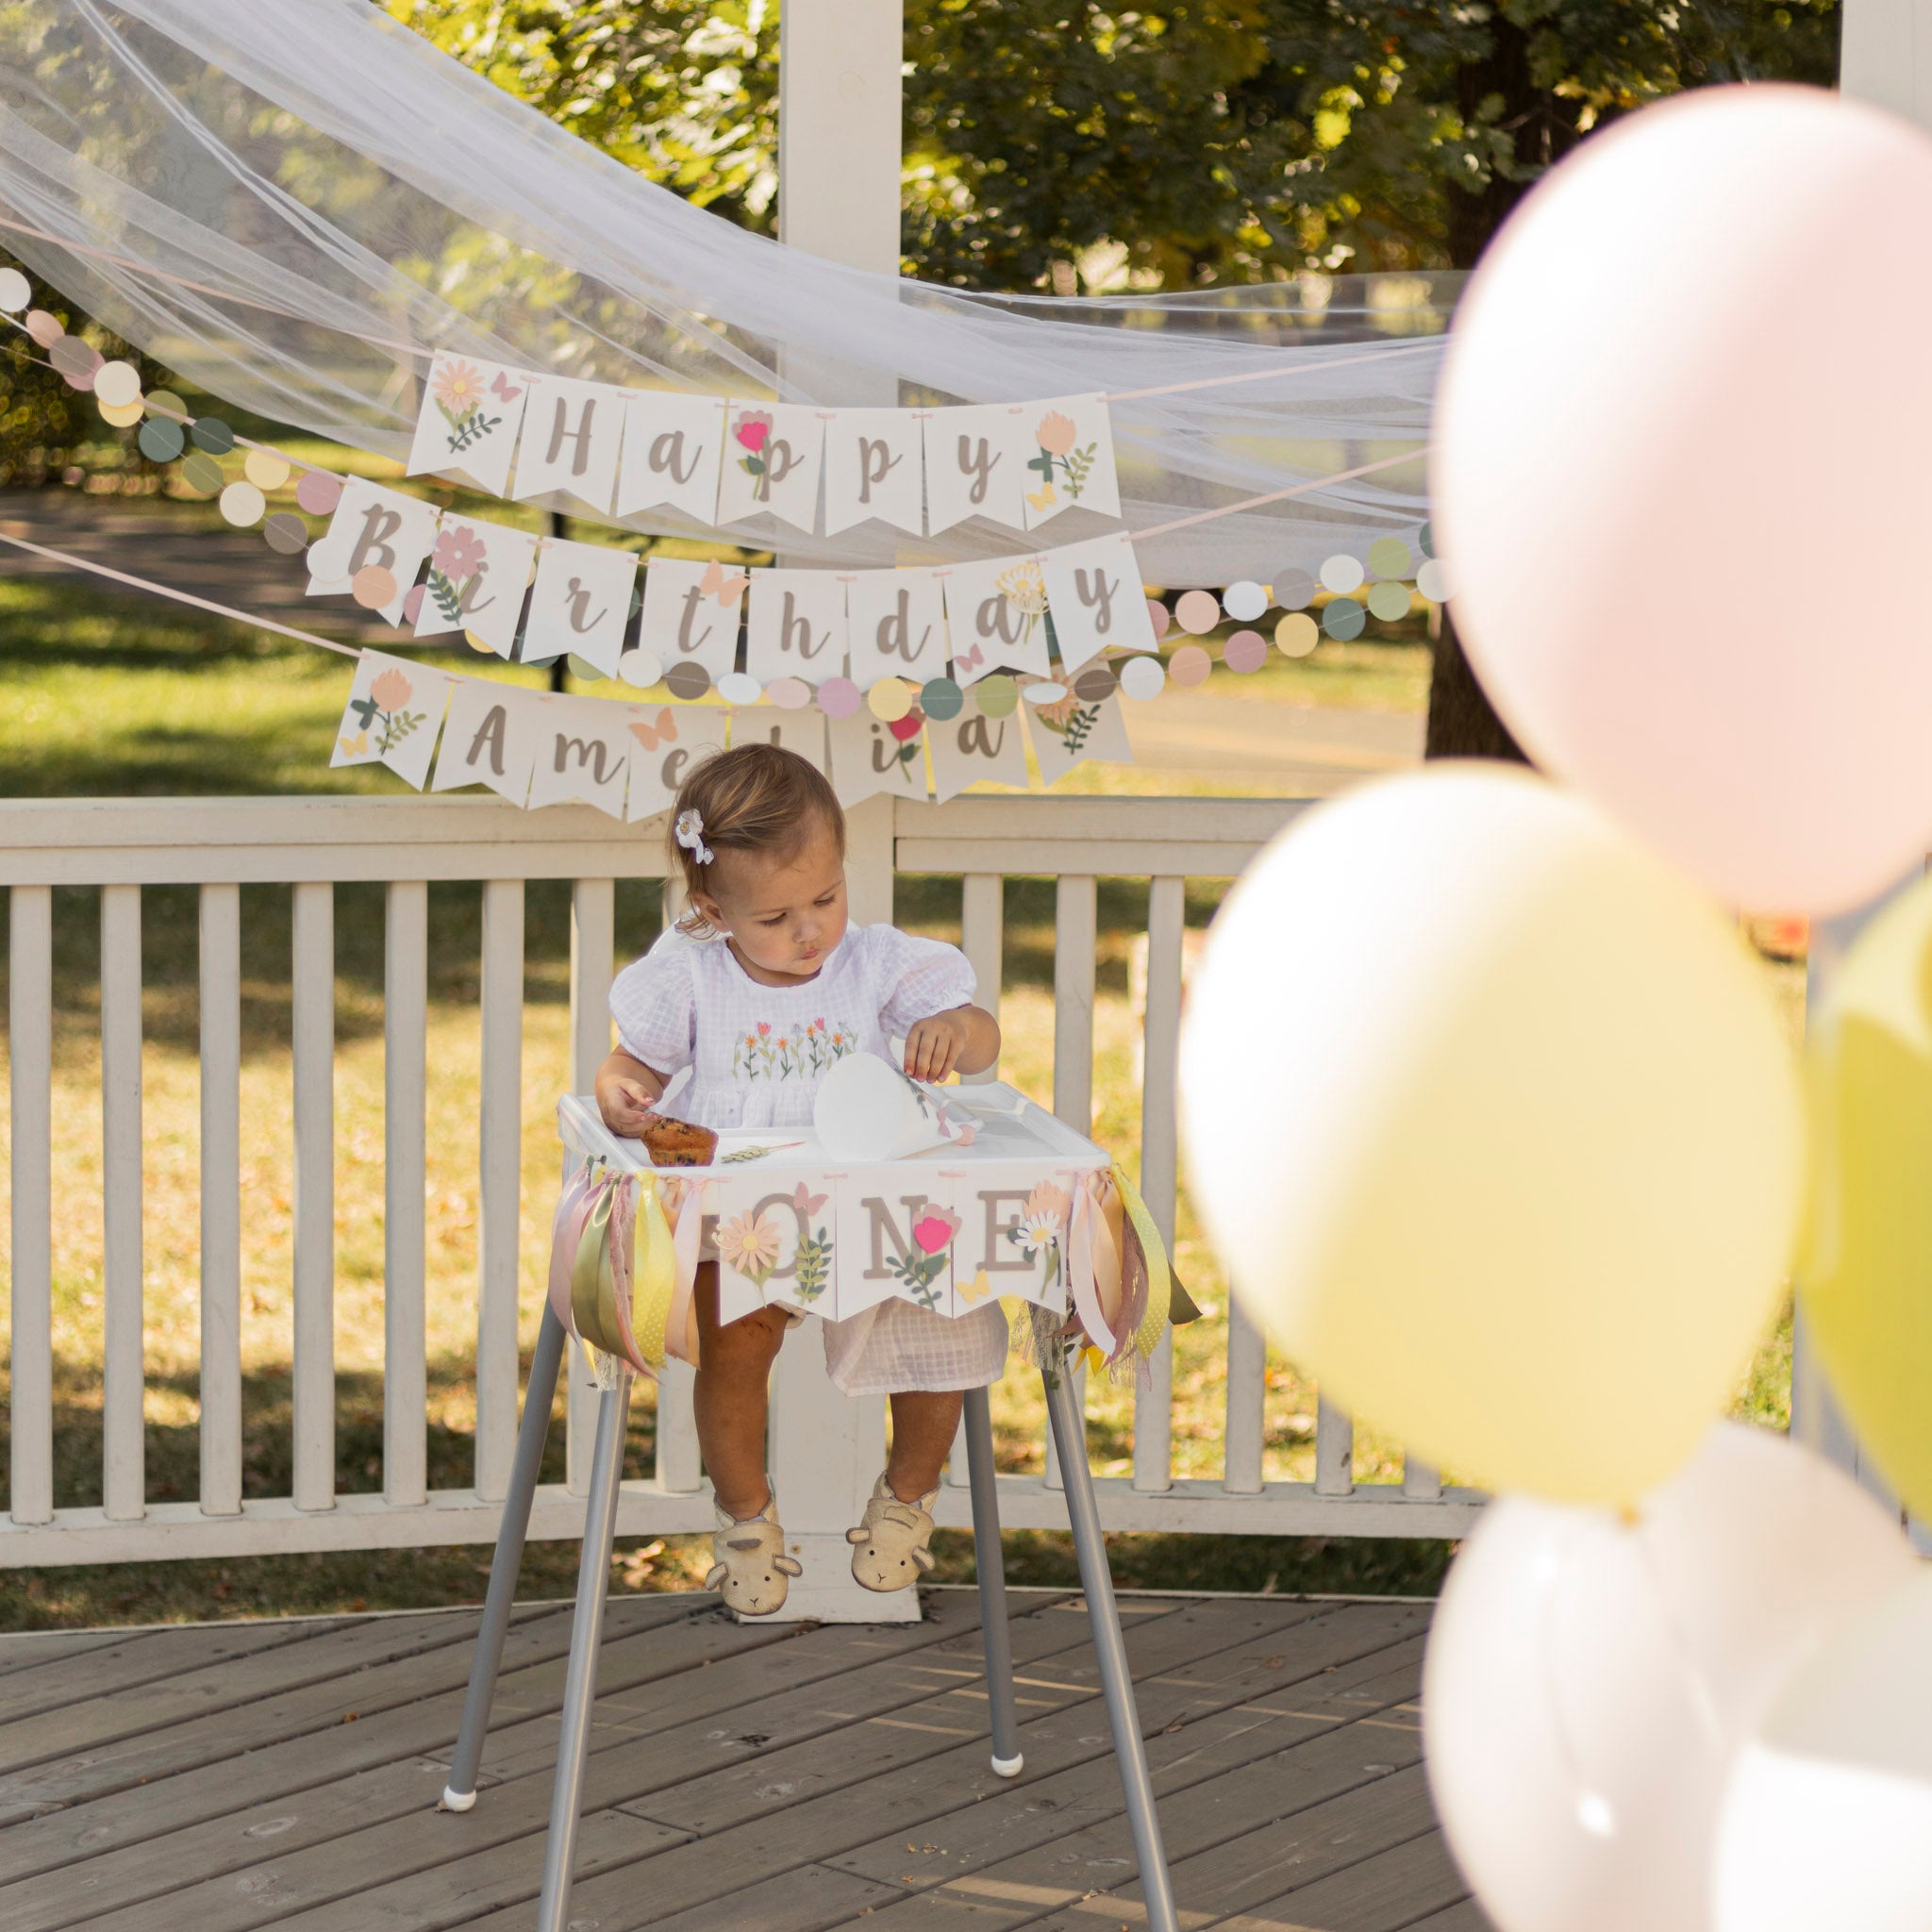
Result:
{"points": [[752, 798]]}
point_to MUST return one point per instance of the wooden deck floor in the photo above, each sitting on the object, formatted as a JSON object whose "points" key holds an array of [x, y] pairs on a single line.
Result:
{"points": [[221, 1777]]}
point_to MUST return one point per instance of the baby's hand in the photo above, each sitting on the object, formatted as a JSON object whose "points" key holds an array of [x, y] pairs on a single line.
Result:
{"points": [[625, 1104], [932, 1045]]}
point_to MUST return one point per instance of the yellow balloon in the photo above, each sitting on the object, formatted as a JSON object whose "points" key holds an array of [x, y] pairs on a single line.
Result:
{"points": [[1491, 1115], [1865, 1263]]}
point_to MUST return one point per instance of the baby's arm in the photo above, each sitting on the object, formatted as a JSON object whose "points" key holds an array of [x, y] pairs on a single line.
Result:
{"points": [[965, 1040], [626, 1092]]}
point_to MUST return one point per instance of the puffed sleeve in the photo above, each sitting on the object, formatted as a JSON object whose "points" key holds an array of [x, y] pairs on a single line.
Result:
{"points": [[916, 977], [654, 1008]]}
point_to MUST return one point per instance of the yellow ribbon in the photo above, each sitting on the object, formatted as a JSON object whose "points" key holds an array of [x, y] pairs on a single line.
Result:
{"points": [[635, 1334], [654, 1275], [592, 1289], [1154, 1323]]}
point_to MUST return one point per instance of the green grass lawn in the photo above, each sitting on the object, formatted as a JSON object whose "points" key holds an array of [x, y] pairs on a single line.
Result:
{"points": [[109, 697]]}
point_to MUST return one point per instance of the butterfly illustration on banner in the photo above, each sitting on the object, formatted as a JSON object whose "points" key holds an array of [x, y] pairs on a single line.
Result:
{"points": [[652, 733], [727, 589]]}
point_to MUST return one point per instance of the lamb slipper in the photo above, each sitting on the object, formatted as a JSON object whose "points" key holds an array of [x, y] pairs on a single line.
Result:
{"points": [[892, 1542], [749, 1565]]}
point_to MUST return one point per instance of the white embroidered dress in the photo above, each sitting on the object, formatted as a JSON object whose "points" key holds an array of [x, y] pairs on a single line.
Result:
{"points": [[739, 1053]]}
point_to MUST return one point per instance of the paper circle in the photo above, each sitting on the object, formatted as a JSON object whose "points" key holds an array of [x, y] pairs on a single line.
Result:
{"points": [[740, 688], [890, 698], [1143, 677], [160, 441], [263, 467], [641, 668], [201, 473], [164, 402], [76, 360], [479, 645], [412, 598], [118, 383], [688, 681], [211, 434], [1190, 665], [1296, 635], [1342, 572], [1198, 611], [940, 698], [244, 505], [1248, 650], [1292, 586], [286, 532], [1388, 601], [1343, 619], [1159, 616], [1425, 540], [1432, 580], [1245, 601], [45, 328], [121, 415], [1388, 557], [16, 291], [1046, 693], [906, 728], [1096, 684], [997, 696], [789, 693], [838, 697], [373, 587], [319, 491], [583, 669]]}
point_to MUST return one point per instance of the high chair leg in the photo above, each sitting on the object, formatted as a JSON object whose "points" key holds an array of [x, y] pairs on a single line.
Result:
{"points": [[996, 1635]]}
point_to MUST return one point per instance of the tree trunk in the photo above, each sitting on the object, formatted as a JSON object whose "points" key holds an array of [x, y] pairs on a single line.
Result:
{"points": [[1462, 724]]}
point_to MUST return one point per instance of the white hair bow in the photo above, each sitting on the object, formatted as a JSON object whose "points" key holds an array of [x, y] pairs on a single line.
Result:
{"points": [[689, 832]]}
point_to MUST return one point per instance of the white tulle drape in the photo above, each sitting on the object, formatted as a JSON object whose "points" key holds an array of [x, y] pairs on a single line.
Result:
{"points": [[288, 201]]}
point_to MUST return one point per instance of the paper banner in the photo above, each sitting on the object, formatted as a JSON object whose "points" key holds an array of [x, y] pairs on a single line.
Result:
{"points": [[373, 528], [1096, 597], [477, 575], [971, 747], [1069, 460], [802, 731], [1066, 733], [772, 463], [573, 432], [666, 741], [583, 751], [996, 613], [671, 451], [470, 417], [895, 1235], [898, 625], [776, 1239], [490, 738], [390, 719], [794, 625], [990, 1253], [690, 614], [868, 758], [874, 468], [580, 602], [974, 466]]}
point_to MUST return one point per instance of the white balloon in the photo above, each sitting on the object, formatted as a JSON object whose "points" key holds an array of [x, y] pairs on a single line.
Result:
{"points": [[1828, 1820], [1674, 511], [1589, 1681]]}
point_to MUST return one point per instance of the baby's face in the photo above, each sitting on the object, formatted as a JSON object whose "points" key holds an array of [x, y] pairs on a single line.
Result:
{"points": [[784, 914]]}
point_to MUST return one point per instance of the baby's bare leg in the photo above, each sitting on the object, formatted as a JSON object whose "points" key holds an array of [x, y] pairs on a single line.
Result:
{"points": [[729, 1402], [925, 1422]]}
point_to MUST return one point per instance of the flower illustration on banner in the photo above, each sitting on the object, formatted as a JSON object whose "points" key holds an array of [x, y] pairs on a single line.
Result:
{"points": [[1037, 1233], [1056, 434], [1070, 721], [753, 433], [1024, 587], [812, 1263], [932, 1242], [387, 696], [459, 559], [749, 1244], [459, 389]]}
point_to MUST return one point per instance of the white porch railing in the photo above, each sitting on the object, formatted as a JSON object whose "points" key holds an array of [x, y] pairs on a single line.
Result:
{"points": [[311, 845]]}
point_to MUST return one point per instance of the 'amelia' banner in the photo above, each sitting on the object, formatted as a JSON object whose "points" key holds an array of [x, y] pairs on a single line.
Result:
{"points": [[621, 451]]}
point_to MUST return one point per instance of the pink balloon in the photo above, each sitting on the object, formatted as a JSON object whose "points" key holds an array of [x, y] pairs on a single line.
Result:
{"points": [[1673, 482]]}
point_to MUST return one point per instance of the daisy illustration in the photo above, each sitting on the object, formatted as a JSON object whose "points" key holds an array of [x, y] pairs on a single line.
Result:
{"points": [[749, 1244]]}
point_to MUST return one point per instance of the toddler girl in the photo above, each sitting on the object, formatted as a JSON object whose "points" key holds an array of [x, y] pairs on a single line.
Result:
{"points": [[766, 952]]}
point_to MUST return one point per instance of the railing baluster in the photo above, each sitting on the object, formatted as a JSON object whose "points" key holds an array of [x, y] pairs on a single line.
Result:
{"points": [[313, 991], [1076, 905], [1421, 1482], [221, 1200], [1248, 1396], [501, 1207], [982, 931], [1334, 1450], [30, 1052], [405, 1135], [124, 1481], [1159, 1159], [592, 950]]}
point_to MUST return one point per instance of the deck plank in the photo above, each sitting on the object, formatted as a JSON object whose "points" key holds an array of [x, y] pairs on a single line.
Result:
{"points": [[1386, 1892], [1467, 1917]]}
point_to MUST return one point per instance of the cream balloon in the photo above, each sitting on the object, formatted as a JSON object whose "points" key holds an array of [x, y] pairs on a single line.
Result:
{"points": [[1828, 1820], [1590, 1682], [1674, 469], [1492, 1116]]}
